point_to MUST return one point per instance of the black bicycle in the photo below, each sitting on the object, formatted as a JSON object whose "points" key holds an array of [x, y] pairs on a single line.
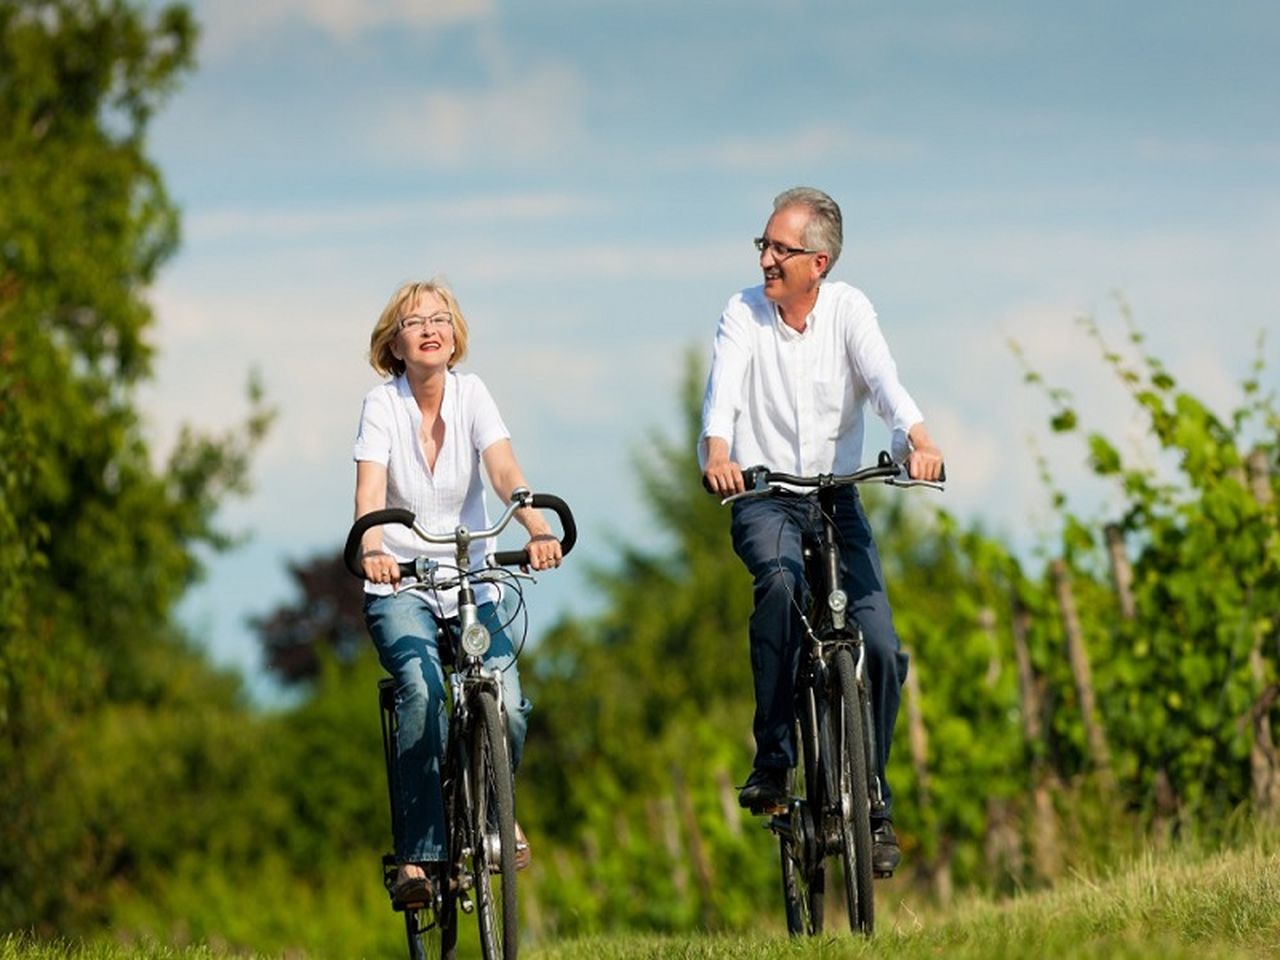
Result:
{"points": [[836, 790], [479, 872]]}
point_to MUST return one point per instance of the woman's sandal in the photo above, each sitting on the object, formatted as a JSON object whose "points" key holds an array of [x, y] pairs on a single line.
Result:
{"points": [[409, 892]]}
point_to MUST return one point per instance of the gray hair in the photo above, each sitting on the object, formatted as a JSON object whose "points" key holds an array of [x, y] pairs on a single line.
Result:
{"points": [[825, 229]]}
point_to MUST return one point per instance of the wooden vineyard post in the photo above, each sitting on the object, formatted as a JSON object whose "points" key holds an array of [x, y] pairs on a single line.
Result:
{"points": [[1166, 798], [1121, 569], [1046, 857], [1096, 738], [937, 872], [1262, 752], [703, 871]]}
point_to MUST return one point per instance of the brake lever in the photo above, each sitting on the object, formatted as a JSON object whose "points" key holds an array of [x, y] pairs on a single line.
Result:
{"points": [[507, 572], [932, 485], [746, 494]]}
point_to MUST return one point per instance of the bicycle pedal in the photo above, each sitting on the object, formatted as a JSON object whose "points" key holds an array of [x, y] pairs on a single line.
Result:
{"points": [[882, 874]]}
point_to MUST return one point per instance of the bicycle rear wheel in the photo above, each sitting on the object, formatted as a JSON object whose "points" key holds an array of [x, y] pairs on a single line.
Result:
{"points": [[854, 794], [493, 838]]}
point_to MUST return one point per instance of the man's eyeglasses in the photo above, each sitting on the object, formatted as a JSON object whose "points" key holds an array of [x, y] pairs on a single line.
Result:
{"points": [[780, 251], [416, 323]]}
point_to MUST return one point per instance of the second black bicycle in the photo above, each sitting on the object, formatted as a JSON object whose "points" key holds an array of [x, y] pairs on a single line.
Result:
{"points": [[836, 790]]}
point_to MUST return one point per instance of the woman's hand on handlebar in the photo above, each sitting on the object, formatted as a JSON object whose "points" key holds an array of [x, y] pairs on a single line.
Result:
{"points": [[380, 567], [544, 552]]}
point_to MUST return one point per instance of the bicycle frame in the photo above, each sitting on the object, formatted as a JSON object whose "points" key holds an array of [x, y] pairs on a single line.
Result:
{"points": [[835, 733], [823, 576], [475, 768]]}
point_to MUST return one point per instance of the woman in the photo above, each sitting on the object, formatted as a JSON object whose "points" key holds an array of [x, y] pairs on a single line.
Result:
{"points": [[423, 435]]}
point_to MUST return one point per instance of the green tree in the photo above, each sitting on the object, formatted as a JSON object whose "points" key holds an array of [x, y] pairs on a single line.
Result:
{"points": [[96, 543], [326, 620]]}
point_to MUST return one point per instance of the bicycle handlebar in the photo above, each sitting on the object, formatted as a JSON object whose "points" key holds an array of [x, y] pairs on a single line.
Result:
{"points": [[761, 480], [376, 518], [569, 531]]}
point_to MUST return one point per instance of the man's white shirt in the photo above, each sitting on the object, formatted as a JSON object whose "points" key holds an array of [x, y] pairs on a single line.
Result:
{"points": [[793, 401]]}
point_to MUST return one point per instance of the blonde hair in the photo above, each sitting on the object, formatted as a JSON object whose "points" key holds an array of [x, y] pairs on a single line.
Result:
{"points": [[385, 331]]}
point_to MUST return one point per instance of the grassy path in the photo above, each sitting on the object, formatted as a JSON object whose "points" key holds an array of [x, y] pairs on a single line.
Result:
{"points": [[1224, 905], [1221, 906]]}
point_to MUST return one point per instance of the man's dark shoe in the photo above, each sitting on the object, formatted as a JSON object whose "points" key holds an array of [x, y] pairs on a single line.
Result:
{"points": [[765, 790], [885, 853]]}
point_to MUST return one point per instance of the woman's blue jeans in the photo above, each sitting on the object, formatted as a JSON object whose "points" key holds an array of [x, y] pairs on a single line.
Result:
{"points": [[406, 635]]}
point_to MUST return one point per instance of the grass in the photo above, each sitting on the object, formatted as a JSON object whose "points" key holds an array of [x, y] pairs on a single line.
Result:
{"points": [[1184, 906], [1207, 906]]}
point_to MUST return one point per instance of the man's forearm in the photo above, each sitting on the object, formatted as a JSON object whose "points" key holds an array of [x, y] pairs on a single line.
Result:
{"points": [[919, 437], [716, 449]]}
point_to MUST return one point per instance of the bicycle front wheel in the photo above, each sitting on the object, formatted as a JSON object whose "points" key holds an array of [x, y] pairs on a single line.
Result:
{"points": [[804, 870], [432, 935], [854, 793], [801, 883], [493, 838]]}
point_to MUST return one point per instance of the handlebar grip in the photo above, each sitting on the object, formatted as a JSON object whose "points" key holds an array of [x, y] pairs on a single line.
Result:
{"points": [[569, 536], [375, 518]]}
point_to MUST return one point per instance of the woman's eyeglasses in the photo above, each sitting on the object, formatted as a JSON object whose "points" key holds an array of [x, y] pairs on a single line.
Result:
{"points": [[415, 322]]}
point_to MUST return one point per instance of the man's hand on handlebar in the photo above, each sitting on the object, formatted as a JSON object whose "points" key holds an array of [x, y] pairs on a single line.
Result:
{"points": [[380, 567], [544, 552], [721, 475], [723, 479], [925, 463]]}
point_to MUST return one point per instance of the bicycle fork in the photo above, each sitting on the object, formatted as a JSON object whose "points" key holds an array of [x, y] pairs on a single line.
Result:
{"points": [[873, 752]]}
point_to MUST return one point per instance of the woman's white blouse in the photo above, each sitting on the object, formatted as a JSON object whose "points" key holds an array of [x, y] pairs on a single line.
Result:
{"points": [[443, 498]]}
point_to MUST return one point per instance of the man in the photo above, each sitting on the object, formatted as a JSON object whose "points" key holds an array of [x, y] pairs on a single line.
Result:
{"points": [[795, 361]]}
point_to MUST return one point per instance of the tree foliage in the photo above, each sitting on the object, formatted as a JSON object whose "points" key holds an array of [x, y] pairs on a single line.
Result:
{"points": [[326, 620], [98, 543], [1186, 672]]}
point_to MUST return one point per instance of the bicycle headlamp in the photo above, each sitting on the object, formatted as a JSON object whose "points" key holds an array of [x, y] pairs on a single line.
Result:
{"points": [[475, 640], [838, 601]]}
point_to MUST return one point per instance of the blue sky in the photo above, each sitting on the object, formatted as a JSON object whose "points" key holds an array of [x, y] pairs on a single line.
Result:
{"points": [[588, 177]]}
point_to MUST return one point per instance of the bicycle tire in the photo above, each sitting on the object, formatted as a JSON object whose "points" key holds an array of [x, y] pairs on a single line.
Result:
{"points": [[804, 916], [432, 934], [493, 838], [855, 801], [805, 894]]}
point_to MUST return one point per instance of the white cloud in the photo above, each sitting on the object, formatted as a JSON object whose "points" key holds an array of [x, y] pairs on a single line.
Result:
{"points": [[610, 261], [516, 120], [320, 221], [229, 24], [817, 143]]}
